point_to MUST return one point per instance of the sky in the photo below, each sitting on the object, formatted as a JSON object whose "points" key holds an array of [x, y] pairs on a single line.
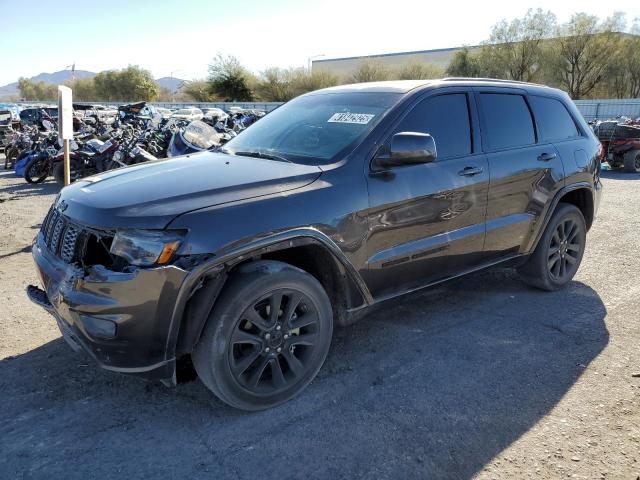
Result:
{"points": [[180, 37]]}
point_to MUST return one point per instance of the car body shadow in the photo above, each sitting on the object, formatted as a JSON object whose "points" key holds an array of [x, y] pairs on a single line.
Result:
{"points": [[431, 386]]}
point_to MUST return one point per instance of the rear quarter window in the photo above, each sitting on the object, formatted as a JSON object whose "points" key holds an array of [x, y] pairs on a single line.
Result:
{"points": [[507, 120], [553, 119]]}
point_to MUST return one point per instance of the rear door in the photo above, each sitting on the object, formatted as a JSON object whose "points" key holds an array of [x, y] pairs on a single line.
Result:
{"points": [[427, 221], [526, 171]]}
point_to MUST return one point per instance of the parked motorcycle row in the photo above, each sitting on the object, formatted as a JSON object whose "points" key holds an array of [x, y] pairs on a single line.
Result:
{"points": [[107, 139]]}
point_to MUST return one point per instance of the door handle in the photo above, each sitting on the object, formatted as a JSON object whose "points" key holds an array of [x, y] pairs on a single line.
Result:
{"points": [[470, 171], [545, 157]]}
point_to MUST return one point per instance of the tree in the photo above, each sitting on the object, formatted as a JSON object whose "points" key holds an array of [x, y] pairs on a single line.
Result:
{"points": [[198, 90], [370, 71], [84, 89], [419, 71], [514, 49], [276, 85], [129, 85], [463, 64], [229, 80], [308, 81], [30, 90], [583, 52]]}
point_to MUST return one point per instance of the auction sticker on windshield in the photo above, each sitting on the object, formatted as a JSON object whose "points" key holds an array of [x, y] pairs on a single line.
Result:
{"points": [[347, 117]]}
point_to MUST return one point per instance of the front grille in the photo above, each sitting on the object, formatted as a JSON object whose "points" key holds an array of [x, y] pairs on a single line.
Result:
{"points": [[61, 236]]}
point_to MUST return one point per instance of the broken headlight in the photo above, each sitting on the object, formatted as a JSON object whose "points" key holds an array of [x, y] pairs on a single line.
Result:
{"points": [[146, 247]]}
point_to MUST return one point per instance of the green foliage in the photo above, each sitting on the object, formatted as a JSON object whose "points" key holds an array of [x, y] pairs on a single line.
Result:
{"points": [[582, 52], [229, 80], [198, 90], [281, 85], [463, 64], [370, 71], [30, 90], [130, 84], [419, 71], [515, 49]]}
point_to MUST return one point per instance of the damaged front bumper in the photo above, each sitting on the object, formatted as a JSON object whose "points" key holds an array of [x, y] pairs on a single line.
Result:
{"points": [[122, 319]]}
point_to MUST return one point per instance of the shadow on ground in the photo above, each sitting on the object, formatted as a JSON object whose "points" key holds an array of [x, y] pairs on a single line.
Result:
{"points": [[619, 174], [432, 386], [21, 190]]}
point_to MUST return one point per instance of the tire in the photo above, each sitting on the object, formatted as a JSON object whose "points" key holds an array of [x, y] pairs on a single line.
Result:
{"points": [[258, 364], [37, 170], [632, 161], [559, 252], [58, 173]]}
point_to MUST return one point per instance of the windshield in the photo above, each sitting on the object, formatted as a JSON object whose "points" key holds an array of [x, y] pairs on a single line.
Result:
{"points": [[315, 128]]}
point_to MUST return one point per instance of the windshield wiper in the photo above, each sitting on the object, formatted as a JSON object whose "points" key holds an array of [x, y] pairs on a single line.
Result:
{"points": [[256, 154]]}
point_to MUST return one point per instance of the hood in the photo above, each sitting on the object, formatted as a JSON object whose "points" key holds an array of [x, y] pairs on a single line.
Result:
{"points": [[150, 195]]}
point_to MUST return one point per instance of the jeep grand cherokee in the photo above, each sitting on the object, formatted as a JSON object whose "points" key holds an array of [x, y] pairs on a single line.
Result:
{"points": [[243, 259]]}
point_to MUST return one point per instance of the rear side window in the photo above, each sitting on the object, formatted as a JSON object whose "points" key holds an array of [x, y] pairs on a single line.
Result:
{"points": [[446, 119], [507, 120], [553, 119]]}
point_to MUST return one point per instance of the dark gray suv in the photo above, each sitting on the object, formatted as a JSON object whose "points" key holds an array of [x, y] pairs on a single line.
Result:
{"points": [[244, 259]]}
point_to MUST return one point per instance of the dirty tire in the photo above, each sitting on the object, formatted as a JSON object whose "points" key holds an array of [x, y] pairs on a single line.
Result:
{"points": [[252, 358], [559, 252], [632, 161]]}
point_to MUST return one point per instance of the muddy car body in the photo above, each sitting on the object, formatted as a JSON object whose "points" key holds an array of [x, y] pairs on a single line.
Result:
{"points": [[338, 230]]}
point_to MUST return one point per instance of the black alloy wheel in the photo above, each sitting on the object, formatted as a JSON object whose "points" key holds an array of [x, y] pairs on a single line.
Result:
{"points": [[564, 250], [273, 342], [267, 336], [556, 258]]}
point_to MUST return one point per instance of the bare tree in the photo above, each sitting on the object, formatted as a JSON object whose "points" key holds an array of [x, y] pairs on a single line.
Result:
{"points": [[514, 48], [583, 52]]}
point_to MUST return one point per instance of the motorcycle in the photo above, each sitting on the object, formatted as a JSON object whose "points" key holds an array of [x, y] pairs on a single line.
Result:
{"points": [[196, 137]]}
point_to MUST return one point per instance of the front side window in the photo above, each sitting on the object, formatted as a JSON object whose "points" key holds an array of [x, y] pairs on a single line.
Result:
{"points": [[553, 119], [507, 121], [446, 119]]}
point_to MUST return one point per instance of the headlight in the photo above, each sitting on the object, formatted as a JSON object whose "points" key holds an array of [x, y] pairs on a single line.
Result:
{"points": [[146, 247]]}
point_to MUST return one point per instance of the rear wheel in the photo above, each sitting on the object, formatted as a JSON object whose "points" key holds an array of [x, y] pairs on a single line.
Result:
{"points": [[632, 161], [557, 257], [266, 338], [36, 170]]}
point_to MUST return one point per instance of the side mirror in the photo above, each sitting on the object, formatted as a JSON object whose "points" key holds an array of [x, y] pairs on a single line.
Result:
{"points": [[407, 148]]}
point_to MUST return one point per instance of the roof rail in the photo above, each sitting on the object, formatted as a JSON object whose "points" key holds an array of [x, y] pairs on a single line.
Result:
{"points": [[482, 79]]}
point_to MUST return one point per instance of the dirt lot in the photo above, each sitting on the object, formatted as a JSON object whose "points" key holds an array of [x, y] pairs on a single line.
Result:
{"points": [[482, 378]]}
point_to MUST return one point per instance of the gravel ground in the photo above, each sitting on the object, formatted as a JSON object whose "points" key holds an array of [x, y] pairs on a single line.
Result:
{"points": [[482, 378]]}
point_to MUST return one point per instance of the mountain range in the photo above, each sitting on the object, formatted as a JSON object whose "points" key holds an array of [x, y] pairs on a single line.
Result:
{"points": [[58, 78]]}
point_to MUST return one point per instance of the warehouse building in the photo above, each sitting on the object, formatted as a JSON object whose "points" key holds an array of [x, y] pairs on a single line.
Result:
{"points": [[345, 67]]}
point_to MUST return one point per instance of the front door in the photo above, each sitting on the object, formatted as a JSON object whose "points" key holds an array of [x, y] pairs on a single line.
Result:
{"points": [[427, 221]]}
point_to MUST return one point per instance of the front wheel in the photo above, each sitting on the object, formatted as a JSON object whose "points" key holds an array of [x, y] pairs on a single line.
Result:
{"points": [[557, 257], [267, 336]]}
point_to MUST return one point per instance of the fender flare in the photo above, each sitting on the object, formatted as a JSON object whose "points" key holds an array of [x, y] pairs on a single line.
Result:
{"points": [[217, 266], [552, 208]]}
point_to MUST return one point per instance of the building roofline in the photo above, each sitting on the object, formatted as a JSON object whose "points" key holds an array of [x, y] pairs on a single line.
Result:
{"points": [[378, 55]]}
